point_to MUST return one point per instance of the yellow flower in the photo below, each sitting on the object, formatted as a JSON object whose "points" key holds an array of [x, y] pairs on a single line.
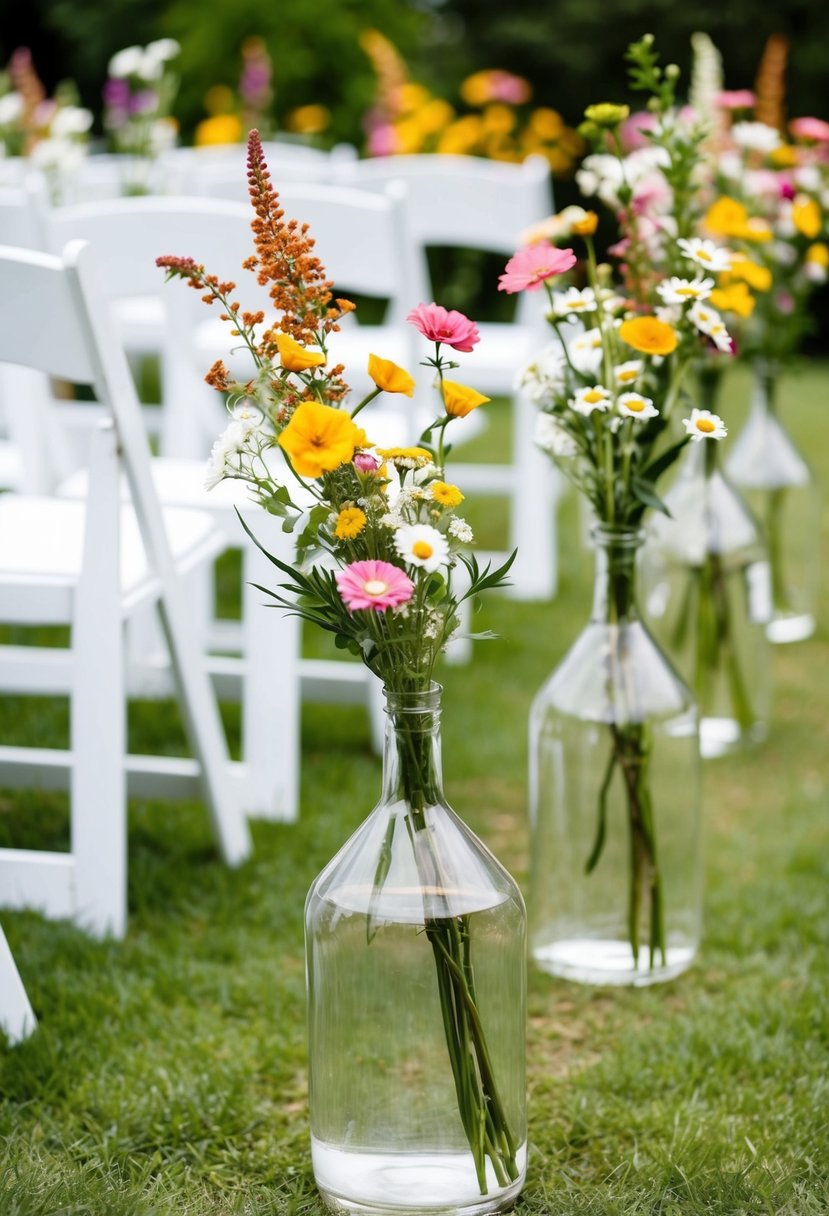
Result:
{"points": [[475, 90], [460, 136], [296, 358], [408, 458], [649, 335], [220, 129], [806, 216], [318, 439], [350, 523], [411, 96], [759, 278], [784, 156], [434, 116], [308, 120], [818, 254], [445, 494], [735, 298], [547, 123], [756, 230], [606, 114], [498, 119], [389, 377], [460, 400], [726, 217], [586, 226]]}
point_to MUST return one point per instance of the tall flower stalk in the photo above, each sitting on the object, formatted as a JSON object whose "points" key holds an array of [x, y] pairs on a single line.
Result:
{"points": [[378, 541]]}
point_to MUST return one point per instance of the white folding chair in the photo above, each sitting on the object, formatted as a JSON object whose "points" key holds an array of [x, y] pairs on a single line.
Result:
{"points": [[17, 1019], [470, 203], [92, 565]]}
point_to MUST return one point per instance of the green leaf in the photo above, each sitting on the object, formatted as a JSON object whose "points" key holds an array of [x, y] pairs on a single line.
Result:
{"points": [[646, 493]]}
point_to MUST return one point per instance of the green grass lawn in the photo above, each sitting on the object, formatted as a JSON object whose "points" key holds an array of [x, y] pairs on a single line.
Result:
{"points": [[168, 1072]]}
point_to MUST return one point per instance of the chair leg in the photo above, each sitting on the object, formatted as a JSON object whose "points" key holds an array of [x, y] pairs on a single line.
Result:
{"points": [[271, 695], [17, 1020], [98, 796]]}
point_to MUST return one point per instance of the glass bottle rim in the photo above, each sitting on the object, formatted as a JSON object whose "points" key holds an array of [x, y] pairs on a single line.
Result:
{"points": [[414, 701], [629, 536]]}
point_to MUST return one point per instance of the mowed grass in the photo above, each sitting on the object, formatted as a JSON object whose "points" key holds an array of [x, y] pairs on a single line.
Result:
{"points": [[168, 1072]]}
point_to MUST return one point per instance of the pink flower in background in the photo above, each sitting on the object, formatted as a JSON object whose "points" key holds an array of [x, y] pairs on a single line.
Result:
{"points": [[438, 325], [513, 90], [373, 584], [785, 302], [787, 189], [735, 99], [382, 140], [529, 267], [631, 130], [810, 128]]}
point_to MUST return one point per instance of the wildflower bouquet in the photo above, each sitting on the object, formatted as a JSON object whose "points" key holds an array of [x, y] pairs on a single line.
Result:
{"points": [[672, 249], [379, 541], [138, 97], [52, 131]]}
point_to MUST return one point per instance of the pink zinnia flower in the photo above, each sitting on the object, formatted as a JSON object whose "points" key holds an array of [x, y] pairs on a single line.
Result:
{"points": [[373, 584], [810, 128], [438, 325], [529, 267]]}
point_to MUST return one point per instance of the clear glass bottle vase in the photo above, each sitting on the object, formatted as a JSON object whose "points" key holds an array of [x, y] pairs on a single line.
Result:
{"points": [[615, 894], [709, 600], [780, 487], [416, 969]]}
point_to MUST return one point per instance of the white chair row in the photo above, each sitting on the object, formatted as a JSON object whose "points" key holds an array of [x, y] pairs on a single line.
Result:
{"points": [[92, 566]]}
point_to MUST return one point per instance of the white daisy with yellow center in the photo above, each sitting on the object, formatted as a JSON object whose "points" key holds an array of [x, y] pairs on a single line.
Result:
{"points": [[587, 400], [706, 254], [422, 545], [722, 339], [628, 373], [704, 425], [704, 317], [586, 352], [685, 291], [573, 302], [634, 405]]}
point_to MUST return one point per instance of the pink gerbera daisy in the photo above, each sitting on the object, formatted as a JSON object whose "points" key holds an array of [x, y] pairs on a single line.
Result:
{"points": [[373, 584], [438, 325], [529, 267]]}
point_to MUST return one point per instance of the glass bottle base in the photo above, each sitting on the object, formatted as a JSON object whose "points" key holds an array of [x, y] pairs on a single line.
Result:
{"points": [[781, 629], [592, 961], [720, 736], [408, 1184]]}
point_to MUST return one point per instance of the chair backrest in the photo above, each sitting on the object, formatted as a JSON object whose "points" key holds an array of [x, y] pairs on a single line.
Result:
{"points": [[60, 325], [23, 211], [462, 200]]}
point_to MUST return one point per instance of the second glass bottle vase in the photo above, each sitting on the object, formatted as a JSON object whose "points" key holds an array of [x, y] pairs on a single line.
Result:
{"points": [[614, 796], [709, 600], [416, 966], [780, 488]]}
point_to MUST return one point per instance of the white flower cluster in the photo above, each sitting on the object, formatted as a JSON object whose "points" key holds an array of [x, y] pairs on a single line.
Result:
{"points": [[143, 63], [229, 450]]}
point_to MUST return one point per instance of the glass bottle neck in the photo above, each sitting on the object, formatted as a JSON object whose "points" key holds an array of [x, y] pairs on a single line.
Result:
{"points": [[615, 589], [412, 771], [764, 394]]}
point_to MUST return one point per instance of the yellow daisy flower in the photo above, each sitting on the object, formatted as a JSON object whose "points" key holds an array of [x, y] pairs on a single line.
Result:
{"points": [[350, 523]]}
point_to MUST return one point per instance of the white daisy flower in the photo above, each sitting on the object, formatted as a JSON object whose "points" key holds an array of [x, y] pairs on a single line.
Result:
{"points": [[627, 373], [704, 425], [573, 302], [553, 438], [126, 62], [587, 400], [721, 338], [704, 317], [755, 137], [11, 107], [634, 405], [680, 291], [543, 379], [585, 352], [706, 254], [225, 455], [422, 545]]}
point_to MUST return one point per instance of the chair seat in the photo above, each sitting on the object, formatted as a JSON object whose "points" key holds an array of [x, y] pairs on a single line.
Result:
{"points": [[41, 552], [140, 321], [501, 355]]}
